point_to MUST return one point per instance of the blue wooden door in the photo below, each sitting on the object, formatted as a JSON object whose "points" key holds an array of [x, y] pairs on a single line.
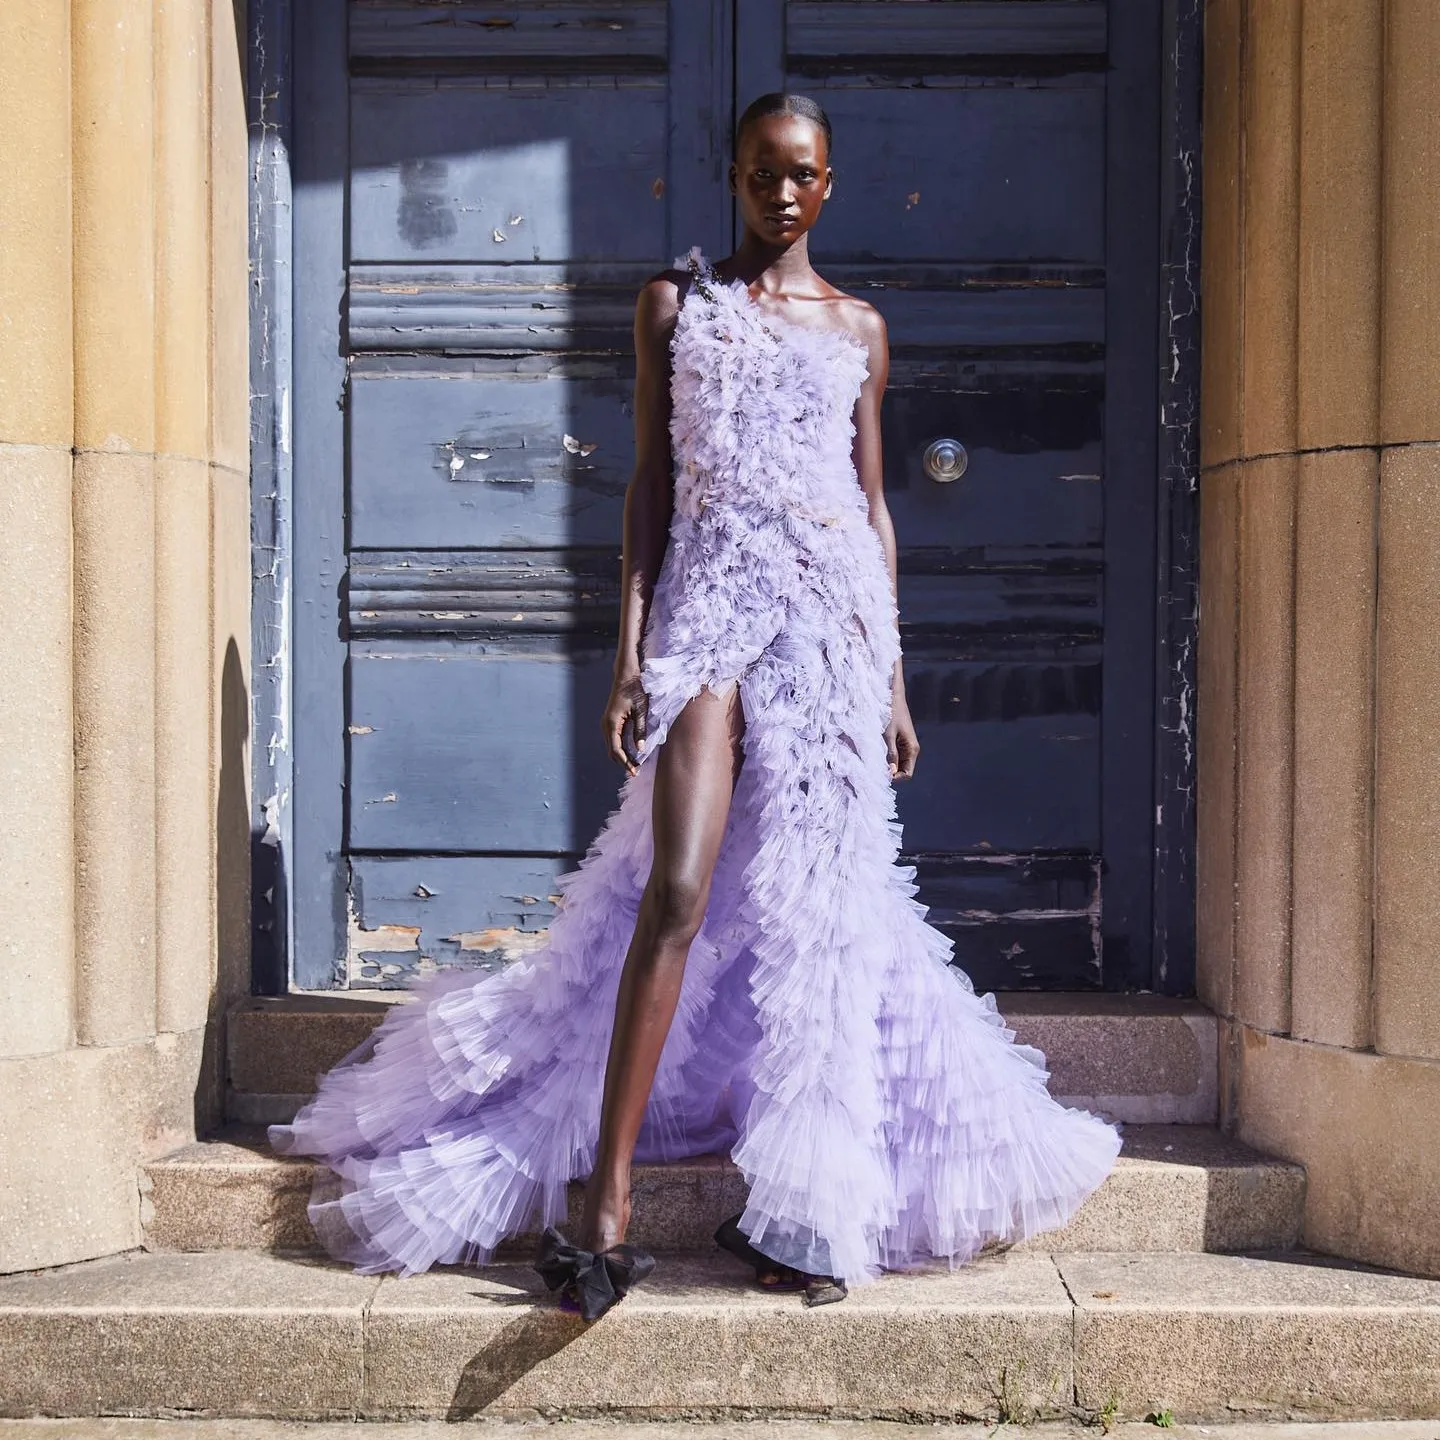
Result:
{"points": [[481, 190]]}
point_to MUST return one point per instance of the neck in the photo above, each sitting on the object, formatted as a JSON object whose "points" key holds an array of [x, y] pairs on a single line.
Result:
{"points": [[775, 267]]}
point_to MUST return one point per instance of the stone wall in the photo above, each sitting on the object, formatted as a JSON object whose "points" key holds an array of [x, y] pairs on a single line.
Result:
{"points": [[1319, 760], [124, 503]]}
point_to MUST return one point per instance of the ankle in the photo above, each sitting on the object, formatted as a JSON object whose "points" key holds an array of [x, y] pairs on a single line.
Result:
{"points": [[609, 1185]]}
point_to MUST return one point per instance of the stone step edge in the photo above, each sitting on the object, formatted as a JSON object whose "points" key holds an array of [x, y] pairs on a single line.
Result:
{"points": [[1174, 1188], [1162, 1066], [256, 1107], [1019, 1337]]}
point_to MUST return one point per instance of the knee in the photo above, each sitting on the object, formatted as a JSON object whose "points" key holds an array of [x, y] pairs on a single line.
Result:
{"points": [[677, 907]]}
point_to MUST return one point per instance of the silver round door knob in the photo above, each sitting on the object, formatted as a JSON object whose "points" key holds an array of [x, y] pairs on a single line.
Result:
{"points": [[945, 460]]}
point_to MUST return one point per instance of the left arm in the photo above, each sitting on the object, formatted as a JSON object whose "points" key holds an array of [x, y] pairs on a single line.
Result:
{"points": [[901, 747]]}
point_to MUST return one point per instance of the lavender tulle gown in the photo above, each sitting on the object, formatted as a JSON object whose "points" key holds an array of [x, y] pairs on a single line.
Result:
{"points": [[878, 1108]]}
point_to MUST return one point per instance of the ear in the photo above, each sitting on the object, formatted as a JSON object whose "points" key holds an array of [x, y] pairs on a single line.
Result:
{"points": [[829, 182]]}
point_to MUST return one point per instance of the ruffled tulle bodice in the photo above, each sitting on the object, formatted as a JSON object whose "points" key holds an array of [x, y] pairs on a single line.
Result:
{"points": [[770, 528]]}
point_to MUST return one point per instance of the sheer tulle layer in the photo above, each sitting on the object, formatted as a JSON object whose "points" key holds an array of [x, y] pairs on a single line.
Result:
{"points": [[880, 1110]]}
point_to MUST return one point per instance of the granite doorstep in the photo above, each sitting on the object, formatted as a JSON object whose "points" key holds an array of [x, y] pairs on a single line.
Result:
{"points": [[227, 1333], [1140, 1059], [1175, 1187], [279, 1046], [804, 1428], [1213, 1337], [1207, 1337], [699, 1337]]}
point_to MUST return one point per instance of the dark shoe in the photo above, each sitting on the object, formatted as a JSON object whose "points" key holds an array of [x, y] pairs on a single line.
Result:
{"points": [[590, 1283], [731, 1237], [824, 1290]]}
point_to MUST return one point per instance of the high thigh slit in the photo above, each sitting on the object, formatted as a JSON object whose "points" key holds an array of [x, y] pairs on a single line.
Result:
{"points": [[878, 1108]]}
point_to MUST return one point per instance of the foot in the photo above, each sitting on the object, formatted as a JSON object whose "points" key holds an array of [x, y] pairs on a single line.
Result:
{"points": [[775, 1276], [589, 1283], [771, 1274]]}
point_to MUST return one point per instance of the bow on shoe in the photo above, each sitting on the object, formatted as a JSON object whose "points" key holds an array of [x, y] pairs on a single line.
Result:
{"points": [[596, 1280]]}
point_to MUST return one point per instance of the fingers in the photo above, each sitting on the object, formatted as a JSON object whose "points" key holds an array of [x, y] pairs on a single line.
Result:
{"points": [[629, 744], [902, 750], [909, 754], [614, 730]]}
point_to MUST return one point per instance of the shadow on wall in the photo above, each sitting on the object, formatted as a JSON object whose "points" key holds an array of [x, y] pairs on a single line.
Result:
{"points": [[237, 20], [233, 861]]}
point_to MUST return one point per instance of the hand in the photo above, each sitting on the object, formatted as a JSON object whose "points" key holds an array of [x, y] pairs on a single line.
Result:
{"points": [[902, 749], [624, 721]]}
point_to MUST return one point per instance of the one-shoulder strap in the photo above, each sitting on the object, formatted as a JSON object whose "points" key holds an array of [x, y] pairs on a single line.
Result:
{"points": [[702, 272]]}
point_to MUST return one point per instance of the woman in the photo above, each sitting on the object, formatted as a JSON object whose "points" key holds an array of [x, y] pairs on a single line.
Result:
{"points": [[739, 939]]}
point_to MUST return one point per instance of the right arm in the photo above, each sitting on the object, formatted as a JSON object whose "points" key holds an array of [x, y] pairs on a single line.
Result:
{"points": [[648, 500]]}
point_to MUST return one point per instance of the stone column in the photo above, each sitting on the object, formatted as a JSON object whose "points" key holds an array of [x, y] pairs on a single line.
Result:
{"points": [[1338, 344], [1407, 986], [1320, 630], [185, 851], [122, 376], [114, 517], [230, 486], [37, 843]]}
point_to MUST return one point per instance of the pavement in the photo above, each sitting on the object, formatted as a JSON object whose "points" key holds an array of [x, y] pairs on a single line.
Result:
{"points": [[182, 1429]]}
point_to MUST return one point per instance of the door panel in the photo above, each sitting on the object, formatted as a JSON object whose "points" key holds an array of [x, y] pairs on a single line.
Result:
{"points": [[513, 174], [479, 458], [567, 169], [446, 754], [954, 172], [973, 196]]}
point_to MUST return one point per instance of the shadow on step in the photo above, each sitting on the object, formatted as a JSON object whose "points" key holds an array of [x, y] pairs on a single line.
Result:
{"points": [[518, 1348]]}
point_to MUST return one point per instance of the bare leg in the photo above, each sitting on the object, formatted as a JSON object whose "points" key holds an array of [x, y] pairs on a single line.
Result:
{"points": [[694, 779]]}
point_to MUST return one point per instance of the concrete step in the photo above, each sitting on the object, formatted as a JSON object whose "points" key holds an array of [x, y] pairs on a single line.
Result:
{"points": [[1140, 1059], [1207, 1337], [1175, 1187], [812, 1427]]}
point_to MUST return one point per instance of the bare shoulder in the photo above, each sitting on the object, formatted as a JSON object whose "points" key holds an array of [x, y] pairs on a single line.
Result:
{"points": [[859, 317], [862, 320], [659, 301]]}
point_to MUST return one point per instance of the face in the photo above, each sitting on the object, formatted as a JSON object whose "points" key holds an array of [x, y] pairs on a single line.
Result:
{"points": [[781, 177]]}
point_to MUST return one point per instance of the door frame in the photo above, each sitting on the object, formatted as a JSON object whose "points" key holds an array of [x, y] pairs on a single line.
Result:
{"points": [[298, 379]]}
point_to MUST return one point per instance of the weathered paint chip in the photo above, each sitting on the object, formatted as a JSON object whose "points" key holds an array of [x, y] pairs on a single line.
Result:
{"points": [[388, 939], [501, 942]]}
